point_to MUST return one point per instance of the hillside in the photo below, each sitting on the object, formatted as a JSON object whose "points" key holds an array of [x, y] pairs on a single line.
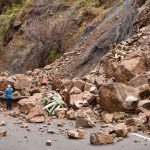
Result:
{"points": [[35, 33]]}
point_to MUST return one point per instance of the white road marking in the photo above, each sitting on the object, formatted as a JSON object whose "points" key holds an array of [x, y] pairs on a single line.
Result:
{"points": [[141, 136], [135, 134]]}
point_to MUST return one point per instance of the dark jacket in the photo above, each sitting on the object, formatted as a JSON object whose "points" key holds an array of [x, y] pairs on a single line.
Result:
{"points": [[8, 93]]}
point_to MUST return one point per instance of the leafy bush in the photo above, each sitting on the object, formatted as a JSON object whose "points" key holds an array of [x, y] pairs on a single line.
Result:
{"points": [[6, 16]]}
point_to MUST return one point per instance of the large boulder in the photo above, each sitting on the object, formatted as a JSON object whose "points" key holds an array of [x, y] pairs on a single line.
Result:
{"points": [[118, 97], [23, 84], [134, 65], [139, 80], [27, 104], [35, 115], [4, 81], [127, 69]]}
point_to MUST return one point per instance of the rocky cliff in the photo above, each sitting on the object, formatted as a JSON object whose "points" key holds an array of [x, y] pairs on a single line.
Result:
{"points": [[40, 31]]}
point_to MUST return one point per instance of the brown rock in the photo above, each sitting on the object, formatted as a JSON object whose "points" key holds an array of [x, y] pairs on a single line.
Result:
{"points": [[119, 116], [48, 142], [75, 90], [4, 81], [134, 122], [37, 119], [108, 118], [87, 86], [61, 112], [109, 69], [3, 133], [88, 96], [130, 67], [44, 80], [118, 97], [23, 84], [70, 114], [27, 104], [68, 84], [145, 111], [76, 101], [79, 104], [24, 125], [142, 117], [78, 134], [144, 91], [139, 80], [85, 118], [79, 84], [121, 130], [34, 112], [97, 138], [100, 80], [145, 104]]}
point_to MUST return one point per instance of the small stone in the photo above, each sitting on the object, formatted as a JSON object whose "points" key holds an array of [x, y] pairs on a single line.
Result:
{"points": [[2, 123], [60, 125], [50, 131], [48, 142], [78, 134], [3, 133], [24, 125]]}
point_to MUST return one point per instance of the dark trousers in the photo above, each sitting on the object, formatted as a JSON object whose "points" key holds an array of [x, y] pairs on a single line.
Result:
{"points": [[9, 103]]}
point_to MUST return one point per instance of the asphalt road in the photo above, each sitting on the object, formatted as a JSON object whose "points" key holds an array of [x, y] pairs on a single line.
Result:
{"points": [[20, 139]]}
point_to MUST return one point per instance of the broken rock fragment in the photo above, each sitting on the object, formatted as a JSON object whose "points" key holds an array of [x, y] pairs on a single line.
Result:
{"points": [[121, 130], [70, 114], [85, 118], [118, 97], [78, 134], [3, 133], [108, 118], [48, 142], [35, 115], [61, 112], [99, 138]]}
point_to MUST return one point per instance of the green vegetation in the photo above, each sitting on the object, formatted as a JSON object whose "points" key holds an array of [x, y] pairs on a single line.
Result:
{"points": [[52, 55], [7, 16]]}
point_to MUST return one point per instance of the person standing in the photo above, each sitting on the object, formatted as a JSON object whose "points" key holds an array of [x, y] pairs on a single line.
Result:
{"points": [[8, 96]]}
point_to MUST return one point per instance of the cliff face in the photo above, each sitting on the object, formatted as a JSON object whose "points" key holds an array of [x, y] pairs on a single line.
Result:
{"points": [[44, 29]]}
